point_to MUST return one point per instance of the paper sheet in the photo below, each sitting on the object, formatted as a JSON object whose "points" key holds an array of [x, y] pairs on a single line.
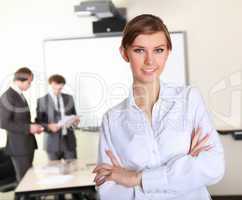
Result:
{"points": [[67, 121]]}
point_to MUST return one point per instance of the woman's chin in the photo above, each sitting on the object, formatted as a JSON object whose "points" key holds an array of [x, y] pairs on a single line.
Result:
{"points": [[147, 79]]}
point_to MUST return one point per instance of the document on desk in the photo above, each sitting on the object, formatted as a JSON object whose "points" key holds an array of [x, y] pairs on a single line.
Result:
{"points": [[55, 180], [67, 121]]}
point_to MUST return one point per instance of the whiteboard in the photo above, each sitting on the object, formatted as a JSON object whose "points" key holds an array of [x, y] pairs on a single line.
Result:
{"points": [[96, 74]]}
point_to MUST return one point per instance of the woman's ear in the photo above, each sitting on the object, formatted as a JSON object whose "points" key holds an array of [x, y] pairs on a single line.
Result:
{"points": [[124, 53]]}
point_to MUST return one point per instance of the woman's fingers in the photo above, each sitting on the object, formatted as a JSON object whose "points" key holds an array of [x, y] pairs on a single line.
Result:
{"points": [[195, 137], [102, 174], [100, 181], [112, 158], [193, 133], [198, 144], [98, 178], [207, 148], [104, 171], [102, 166], [204, 140], [201, 143], [201, 149], [192, 143]]}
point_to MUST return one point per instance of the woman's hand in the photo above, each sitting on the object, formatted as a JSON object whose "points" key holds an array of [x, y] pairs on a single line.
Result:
{"points": [[116, 173], [198, 144]]}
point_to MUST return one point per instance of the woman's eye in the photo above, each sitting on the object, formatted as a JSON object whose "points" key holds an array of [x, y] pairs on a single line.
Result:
{"points": [[138, 50], [159, 50]]}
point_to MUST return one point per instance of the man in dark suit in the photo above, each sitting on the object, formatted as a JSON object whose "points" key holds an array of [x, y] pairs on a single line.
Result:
{"points": [[59, 140], [16, 120]]}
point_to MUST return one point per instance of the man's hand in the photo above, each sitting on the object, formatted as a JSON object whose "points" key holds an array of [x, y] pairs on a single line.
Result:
{"points": [[36, 128], [116, 173], [54, 127], [77, 120], [198, 144]]}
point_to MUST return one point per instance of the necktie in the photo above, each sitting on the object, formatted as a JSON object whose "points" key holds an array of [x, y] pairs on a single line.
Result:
{"points": [[58, 108], [23, 98], [58, 103], [63, 130]]}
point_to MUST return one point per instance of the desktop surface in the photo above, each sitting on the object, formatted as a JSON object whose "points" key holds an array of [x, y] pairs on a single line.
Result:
{"points": [[57, 175]]}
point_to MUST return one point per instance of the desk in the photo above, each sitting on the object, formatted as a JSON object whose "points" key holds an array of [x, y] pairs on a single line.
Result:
{"points": [[56, 177]]}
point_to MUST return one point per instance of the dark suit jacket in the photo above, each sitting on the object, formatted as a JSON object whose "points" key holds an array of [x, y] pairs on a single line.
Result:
{"points": [[15, 119], [47, 113]]}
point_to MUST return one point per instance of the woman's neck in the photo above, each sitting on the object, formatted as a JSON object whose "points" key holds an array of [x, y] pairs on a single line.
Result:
{"points": [[146, 94]]}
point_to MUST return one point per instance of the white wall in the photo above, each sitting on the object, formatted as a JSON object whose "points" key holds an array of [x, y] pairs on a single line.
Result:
{"points": [[215, 64]]}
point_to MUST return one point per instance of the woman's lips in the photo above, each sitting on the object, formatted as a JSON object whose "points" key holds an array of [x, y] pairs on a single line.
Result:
{"points": [[149, 71]]}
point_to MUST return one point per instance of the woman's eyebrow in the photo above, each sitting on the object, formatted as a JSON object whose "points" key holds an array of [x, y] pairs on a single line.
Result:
{"points": [[135, 46], [161, 45], [140, 46]]}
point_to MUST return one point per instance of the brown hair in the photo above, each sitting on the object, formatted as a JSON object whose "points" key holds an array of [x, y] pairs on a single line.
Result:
{"points": [[144, 24], [22, 74], [57, 79]]}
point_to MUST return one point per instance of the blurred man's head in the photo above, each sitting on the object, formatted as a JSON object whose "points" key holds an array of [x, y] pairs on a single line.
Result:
{"points": [[23, 78], [57, 82]]}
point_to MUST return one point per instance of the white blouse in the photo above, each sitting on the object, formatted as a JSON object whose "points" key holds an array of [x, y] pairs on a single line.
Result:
{"points": [[160, 149]]}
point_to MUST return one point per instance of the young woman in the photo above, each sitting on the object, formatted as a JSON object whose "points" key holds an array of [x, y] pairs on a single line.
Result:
{"points": [[159, 143]]}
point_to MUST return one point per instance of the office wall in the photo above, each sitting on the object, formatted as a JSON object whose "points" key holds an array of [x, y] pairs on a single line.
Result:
{"points": [[215, 64]]}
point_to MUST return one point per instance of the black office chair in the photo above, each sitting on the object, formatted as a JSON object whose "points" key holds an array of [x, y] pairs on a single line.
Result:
{"points": [[8, 180]]}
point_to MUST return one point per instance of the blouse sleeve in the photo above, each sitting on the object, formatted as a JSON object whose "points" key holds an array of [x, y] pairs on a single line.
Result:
{"points": [[185, 173], [110, 190]]}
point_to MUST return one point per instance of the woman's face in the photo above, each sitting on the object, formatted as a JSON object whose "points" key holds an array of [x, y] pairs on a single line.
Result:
{"points": [[147, 56]]}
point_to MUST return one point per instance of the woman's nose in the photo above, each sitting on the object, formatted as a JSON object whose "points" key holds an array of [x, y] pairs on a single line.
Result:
{"points": [[149, 59]]}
